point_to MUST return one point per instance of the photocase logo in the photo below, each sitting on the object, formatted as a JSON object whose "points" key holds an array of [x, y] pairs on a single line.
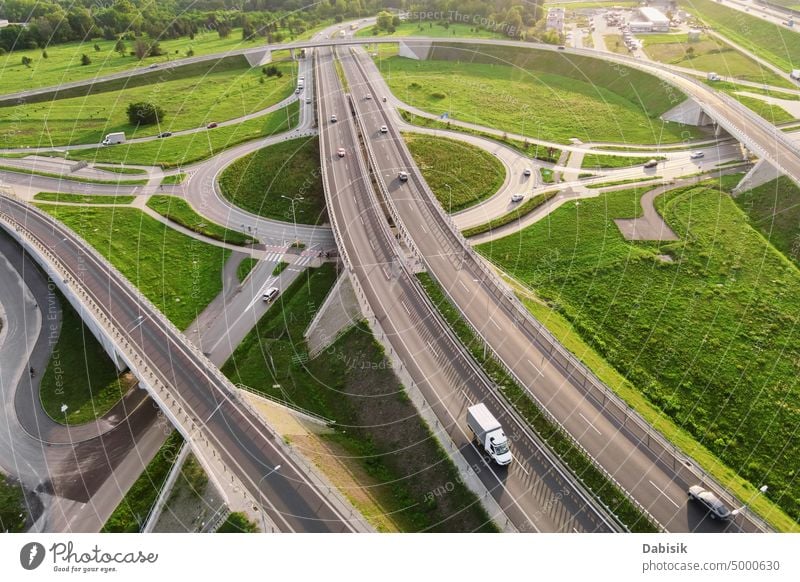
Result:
{"points": [[31, 555]]}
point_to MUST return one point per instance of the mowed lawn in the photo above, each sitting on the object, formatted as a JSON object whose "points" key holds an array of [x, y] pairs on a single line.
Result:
{"points": [[429, 28], [536, 103], [224, 91], [259, 182], [709, 54], [776, 44], [63, 62], [711, 338], [185, 149], [774, 210], [179, 274], [459, 174]]}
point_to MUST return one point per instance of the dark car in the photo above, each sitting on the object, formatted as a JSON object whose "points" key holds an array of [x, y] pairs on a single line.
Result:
{"points": [[212, 125], [716, 509], [165, 134], [651, 163]]}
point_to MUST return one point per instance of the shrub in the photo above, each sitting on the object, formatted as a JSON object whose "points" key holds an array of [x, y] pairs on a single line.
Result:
{"points": [[144, 113]]}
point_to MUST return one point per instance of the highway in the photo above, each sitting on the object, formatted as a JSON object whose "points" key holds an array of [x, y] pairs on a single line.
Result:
{"points": [[657, 487], [243, 443], [533, 494]]}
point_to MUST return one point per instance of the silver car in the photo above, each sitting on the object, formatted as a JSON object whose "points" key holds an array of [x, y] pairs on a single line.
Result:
{"points": [[716, 509]]}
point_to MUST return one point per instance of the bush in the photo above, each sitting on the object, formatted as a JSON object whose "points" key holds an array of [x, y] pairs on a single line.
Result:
{"points": [[438, 95], [85, 60], [27, 61], [144, 113]]}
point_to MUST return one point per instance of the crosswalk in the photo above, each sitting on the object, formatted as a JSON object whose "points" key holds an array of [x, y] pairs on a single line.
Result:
{"points": [[298, 261]]}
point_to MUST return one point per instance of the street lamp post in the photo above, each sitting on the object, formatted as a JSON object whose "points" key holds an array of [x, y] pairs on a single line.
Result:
{"points": [[294, 217], [261, 495], [450, 203]]}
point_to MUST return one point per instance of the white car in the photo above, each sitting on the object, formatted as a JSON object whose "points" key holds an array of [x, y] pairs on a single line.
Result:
{"points": [[696, 155], [527, 172], [340, 152], [368, 96], [715, 508], [384, 129], [402, 176], [270, 294], [308, 99], [333, 119], [518, 198]]}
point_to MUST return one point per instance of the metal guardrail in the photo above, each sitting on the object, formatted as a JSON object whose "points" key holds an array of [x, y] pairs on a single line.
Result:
{"points": [[638, 429]]}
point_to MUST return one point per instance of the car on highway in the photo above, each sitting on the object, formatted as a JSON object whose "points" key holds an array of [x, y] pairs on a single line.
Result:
{"points": [[308, 99], [403, 176], [297, 91], [561, 47], [333, 119], [526, 172], [384, 99], [212, 125], [340, 152], [153, 66], [301, 79], [651, 163], [270, 294], [368, 96], [716, 509], [696, 155], [384, 129], [518, 198], [165, 134]]}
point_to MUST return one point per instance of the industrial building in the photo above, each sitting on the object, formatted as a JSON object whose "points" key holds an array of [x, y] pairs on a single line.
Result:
{"points": [[555, 20], [647, 19]]}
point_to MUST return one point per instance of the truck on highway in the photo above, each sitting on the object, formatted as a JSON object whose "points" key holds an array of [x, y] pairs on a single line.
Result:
{"points": [[713, 77], [114, 138], [342, 34], [488, 433], [795, 74]]}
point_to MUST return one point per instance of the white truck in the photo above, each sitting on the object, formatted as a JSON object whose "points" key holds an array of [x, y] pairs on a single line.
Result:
{"points": [[114, 138], [488, 433], [795, 74], [713, 77]]}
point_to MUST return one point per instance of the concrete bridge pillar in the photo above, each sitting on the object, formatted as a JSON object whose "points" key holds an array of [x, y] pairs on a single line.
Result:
{"points": [[259, 58], [759, 174], [419, 51]]}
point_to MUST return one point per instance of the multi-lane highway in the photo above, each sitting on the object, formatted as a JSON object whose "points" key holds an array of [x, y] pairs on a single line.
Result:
{"points": [[290, 498], [657, 487]]}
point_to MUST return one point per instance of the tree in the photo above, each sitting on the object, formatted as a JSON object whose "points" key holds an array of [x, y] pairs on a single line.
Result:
{"points": [[85, 60], [224, 29], [96, 48], [384, 20], [190, 52], [140, 49], [120, 47], [27, 61], [44, 54], [143, 113]]}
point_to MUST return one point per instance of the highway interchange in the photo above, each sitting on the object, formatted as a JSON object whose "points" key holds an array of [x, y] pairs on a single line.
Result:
{"points": [[379, 263]]}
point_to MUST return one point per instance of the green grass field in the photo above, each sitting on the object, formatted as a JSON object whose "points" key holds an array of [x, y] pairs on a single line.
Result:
{"points": [[131, 513], [608, 161], [179, 274], [70, 178], [772, 113], [82, 198], [353, 384], [774, 210], [174, 179], [429, 28], [120, 169], [709, 54], [709, 339], [79, 374], [244, 268], [776, 44], [543, 95], [259, 181], [222, 92], [13, 512], [185, 149], [179, 211], [237, 522], [525, 208], [459, 174]]}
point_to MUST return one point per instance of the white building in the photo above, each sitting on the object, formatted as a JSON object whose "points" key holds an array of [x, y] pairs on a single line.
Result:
{"points": [[555, 20], [647, 19]]}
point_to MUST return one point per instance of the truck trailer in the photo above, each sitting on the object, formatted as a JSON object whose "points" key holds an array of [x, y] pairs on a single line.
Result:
{"points": [[488, 434]]}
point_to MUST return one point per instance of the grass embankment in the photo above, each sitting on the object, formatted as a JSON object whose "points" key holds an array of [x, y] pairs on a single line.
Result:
{"points": [[525, 208], [79, 374], [237, 522], [612, 497], [174, 179], [82, 198], [184, 149], [777, 44], [279, 268], [70, 177], [535, 151], [774, 210], [549, 95], [131, 514], [708, 54], [244, 268], [219, 91], [708, 339], [63, 62], [179, 274], [259, 181], [13, 513], [599, 161], [459, 174], [179, 211], [120, 169], [623, 182], [353, 384], [773, 113], [434, 29]]}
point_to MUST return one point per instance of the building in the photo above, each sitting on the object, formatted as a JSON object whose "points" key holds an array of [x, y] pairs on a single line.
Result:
{"points": [[647, 19], [555, 20], [694, 34]]}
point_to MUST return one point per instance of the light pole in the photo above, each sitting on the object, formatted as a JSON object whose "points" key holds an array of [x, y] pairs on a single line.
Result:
{"points": [[261, 494], [762, 489], [294, 218], [450, 203]]}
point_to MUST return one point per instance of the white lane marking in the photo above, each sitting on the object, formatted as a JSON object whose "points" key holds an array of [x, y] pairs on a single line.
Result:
{"points": [[464, 286], [660, 490], [590, 424], [467, 397], [361, 218], [403, 303], [495, 324], [535, 367], [523, 468]]}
